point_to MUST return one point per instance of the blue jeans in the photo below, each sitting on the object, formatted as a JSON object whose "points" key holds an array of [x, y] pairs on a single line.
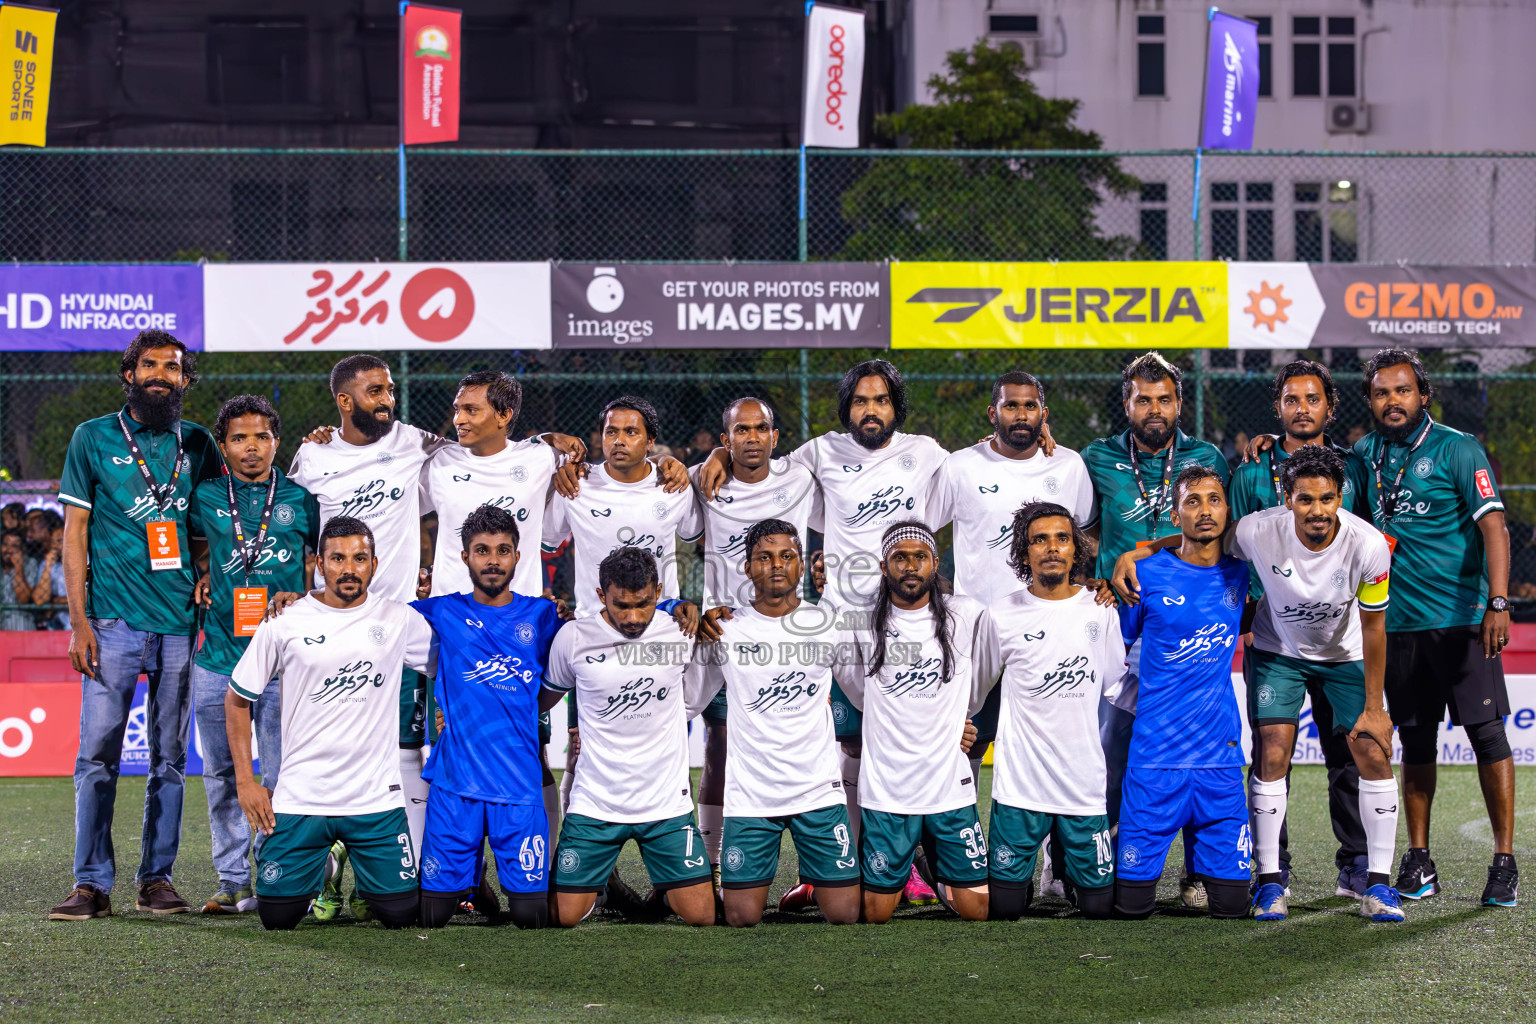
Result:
{"points": [[105, 703], [231, 832]]}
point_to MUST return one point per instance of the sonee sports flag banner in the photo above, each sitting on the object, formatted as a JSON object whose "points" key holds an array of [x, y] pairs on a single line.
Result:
{"points": [[26, 54], [430, 59], [1231, 82], [834, 76]]}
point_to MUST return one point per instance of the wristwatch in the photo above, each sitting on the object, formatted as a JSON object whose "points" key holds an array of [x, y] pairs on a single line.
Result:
{"points": [[1498, 604]]}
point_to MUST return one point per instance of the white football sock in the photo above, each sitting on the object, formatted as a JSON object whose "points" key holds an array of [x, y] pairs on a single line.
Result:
{"points": [[850, 770], [1378, 813], [711, 825], [415, 789], [1266, 802], [552, 812]]}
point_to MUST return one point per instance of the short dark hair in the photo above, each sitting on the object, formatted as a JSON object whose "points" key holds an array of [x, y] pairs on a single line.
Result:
{"points": [[345, 526], [1192, 474], [1307, 368], [1312, 460], [489, 519], [246, 405], [1017, 378], [1149, 368], [53, 519], [1018, 554], [633, 403], [348, 368], [1388, 357], [501, 390], [20, 535], [146, 340], [894, 383], [769, 528], [730, 410], [628, 568], [14, 507]]}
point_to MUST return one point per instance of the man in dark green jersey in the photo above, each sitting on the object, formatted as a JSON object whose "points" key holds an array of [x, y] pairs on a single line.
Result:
{"points": [[1305, 399], [1133, 476], [252, 527], [1433, 494], [128, 479]]}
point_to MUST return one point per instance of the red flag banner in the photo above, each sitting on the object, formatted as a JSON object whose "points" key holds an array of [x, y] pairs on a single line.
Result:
{"points": [[430, 58]]}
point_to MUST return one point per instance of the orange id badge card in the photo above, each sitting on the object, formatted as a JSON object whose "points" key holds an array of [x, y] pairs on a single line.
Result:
{"points": [[1391, 543], [250, 606], [164, 546]]}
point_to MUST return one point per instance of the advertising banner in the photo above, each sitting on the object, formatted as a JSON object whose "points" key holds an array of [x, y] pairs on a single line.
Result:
{"points": [[1231, 82], [376, 306], [97, 307], [1058, 305], [774, 305], [26, 55], [1301, 305], [430, 59], [834, 76]]}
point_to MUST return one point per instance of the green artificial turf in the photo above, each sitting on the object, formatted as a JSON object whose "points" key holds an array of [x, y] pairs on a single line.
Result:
{"points": [[1452, 960]]}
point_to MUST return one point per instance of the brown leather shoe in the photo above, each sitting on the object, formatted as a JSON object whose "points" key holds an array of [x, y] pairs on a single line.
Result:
{"points": [[160, 897], [84, 903]]}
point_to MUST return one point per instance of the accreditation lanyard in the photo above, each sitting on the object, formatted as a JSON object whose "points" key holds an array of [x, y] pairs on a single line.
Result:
{"points": [[1389, 501], [162, 497], [1162, 494], [251, 552], [1274, 475]]}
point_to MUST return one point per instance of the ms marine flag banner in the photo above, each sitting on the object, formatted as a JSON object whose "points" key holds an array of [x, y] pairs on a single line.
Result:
{"points": [[834, 76], [26, 54], [430, 62], [1231, 82]]}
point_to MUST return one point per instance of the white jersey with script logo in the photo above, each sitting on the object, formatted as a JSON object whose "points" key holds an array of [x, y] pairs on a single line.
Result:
{"points": [[789, 492], [339, 670], [379, 483]]}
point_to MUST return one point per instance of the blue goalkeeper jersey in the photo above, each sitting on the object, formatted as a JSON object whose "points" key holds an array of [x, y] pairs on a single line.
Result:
{"points": [[490, 668], [1188, 620]]}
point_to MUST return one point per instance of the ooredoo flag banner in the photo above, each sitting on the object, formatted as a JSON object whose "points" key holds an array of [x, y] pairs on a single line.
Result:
{"points": [[430, 59], [1231, 82], [26, 54], [834, 76]]}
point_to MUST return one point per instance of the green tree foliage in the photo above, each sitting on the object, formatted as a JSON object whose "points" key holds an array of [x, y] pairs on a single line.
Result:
{"points": [[1012, 207]]}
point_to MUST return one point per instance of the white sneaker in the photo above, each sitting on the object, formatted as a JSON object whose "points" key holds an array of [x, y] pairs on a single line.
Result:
{"points": [[1192, 893], [1051, 887]]}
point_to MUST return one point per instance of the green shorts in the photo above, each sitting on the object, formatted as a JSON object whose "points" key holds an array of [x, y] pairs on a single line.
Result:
{"points": [[673, 852], [1277, 685], [1084, 841], [846, 719], [413, 709], [750, 855], [956, 847], [715, 711], [290, 862]]}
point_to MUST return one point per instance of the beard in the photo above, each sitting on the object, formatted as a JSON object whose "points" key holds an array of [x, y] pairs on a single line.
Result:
{"points": [[157, 412], [492, 588], [1051, 579], [1020, 436], [872, 442], [910, 588], [369, 425], [1154, 437], [1404, 432], [634, 630]]}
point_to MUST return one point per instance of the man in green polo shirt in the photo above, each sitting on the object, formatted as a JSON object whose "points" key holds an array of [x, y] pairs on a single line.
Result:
{"points": [[1306, 399], [1133, 476], [1433, 494], [251, 528], [127, 483]]}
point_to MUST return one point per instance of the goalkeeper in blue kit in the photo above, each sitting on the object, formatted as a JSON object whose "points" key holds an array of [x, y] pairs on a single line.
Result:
{"points": [[487, 779]]}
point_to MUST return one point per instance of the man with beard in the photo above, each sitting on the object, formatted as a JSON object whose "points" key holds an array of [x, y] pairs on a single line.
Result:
{"points": [[127, 484], [1433, 494], [1133, 476], [871, 474], [913, 689], [486, 773], [337, 654], [252, 529]]}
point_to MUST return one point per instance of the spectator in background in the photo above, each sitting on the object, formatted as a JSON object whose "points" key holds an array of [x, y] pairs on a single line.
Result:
{"points": [[699, 448], [18, 577], [11, 514], [1356, 432], [50, 579]]}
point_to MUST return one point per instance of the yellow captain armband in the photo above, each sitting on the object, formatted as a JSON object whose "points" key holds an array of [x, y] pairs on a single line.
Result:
{"points": [[1372, 594]]}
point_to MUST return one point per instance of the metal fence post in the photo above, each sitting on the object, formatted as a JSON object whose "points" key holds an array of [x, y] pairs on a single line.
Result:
{"points": [[1197, 378], [403, 412]]}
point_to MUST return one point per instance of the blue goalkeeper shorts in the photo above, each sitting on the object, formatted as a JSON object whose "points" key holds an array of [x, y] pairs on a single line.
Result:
{"points": [[1159, 802], [456, 830]]}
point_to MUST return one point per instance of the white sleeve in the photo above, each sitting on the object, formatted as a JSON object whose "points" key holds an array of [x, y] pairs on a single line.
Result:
{"points": [[1113, 666], [420, 647], [701, 681], [1241, 545], [259, 664], [805, 456], [297, 469], [690, 526], [986, 661], [817, 518], [1084, 509], [849, 666], [424, 488], [556, 529], [941, 503], [558, 674]]}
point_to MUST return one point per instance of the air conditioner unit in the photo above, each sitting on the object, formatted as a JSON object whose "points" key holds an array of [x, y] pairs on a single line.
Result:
{"points": [[1029, 46], [1347, 117]]}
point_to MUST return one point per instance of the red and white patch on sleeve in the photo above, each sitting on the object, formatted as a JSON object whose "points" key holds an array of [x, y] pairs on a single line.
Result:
{"points": [[1382, 578], [1484, 484]]}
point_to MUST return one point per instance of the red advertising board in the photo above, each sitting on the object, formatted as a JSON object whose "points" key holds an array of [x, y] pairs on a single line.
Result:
{"points": [[39, 728], [430, 59]]}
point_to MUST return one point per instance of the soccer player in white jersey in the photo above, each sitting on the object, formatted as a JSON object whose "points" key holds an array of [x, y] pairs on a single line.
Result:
{"points": [[759, 487], [1053, 652], [338, 654], [631, 669], [913, 688], [776, 658]]}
